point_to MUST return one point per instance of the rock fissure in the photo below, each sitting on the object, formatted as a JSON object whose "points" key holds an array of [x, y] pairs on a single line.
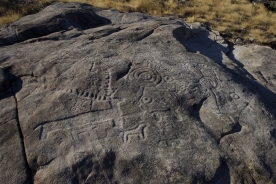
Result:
{"points": [[28, 168], [145, 35]]}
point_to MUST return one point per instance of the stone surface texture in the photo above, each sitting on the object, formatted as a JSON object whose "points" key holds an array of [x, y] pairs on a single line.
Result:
{"points": [[99, 96], [259, 61]]}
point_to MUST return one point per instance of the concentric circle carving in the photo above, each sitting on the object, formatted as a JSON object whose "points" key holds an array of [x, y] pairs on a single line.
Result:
{"points": [[145, 77]]}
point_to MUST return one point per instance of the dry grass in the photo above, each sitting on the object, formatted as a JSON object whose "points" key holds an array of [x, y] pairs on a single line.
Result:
{"points": [[9, 16], [10, 12], [233, 18]]}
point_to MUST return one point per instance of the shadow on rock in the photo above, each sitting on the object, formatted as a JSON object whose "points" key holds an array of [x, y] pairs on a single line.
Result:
{"points": [[198, 39], [9, 81], [254, 85]]}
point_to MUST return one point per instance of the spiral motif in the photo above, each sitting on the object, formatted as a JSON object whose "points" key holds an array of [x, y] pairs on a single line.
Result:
{"points": [[145, 76]]}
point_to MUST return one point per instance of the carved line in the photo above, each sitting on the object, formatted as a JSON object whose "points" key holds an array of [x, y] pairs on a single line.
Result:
{"points": [[138, 131], [44, 135], [84, 94]]}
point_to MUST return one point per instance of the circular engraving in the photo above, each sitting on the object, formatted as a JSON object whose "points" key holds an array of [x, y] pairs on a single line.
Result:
{"points": [[146, 100], [168, 78], [157, 100], [73, 109], [145, 76]]}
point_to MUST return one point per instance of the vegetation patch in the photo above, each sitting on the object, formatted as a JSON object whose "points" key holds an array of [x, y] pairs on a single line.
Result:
{"points": [[251, 21]]}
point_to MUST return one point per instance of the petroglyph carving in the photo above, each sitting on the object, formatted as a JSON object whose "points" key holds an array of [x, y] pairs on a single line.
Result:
{"points": [[95, 84], [137, 132], [208, 83], [156, 100], [98, 84], [234, 95], [145, 77], [146, 100], [168, 78], [74, 129], [82, 105], [205, 66]]}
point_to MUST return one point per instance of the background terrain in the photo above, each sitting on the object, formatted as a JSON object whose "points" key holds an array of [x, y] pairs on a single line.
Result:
{"points": [[237, 20]]}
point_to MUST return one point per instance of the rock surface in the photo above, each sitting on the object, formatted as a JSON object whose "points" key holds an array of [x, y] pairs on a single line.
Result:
{"points": [[129, 98], [259, 61]]}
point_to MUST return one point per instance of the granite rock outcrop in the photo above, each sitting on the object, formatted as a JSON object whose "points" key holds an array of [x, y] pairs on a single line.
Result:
{"points": [[99, 96]]}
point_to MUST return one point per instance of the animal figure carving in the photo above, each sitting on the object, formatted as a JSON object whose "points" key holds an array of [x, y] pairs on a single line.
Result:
{"points": [[136, 132]]}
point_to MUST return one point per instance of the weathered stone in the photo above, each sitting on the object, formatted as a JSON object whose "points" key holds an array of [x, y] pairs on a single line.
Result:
{"points": [[259, 61], [136, 101]]}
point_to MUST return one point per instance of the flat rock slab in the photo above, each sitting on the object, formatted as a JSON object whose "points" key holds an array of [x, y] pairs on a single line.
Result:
{"points": [[132, 101], [260, 62]]}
